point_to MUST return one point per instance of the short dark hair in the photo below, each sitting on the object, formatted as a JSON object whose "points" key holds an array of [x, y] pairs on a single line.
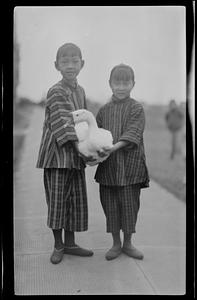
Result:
{"points": [[68, 45], [122, 72]]}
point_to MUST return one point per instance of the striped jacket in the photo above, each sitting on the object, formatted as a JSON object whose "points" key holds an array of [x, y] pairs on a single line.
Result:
{"points": [[126, 121], [56, 147]]}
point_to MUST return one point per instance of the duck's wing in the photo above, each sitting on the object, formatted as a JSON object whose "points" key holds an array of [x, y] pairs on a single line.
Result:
{"points": [[88, 149], [81, 130], [84, 148], [101, 138], [107, 136], [94, 141]]}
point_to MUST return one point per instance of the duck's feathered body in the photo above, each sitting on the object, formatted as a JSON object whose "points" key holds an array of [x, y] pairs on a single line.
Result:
{"points": [[91, 138], [95, 141], [81, 130]]}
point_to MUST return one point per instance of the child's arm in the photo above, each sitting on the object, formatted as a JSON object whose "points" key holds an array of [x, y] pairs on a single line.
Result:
{"points": [[99, 118], [60, 120], [134, 127], [117, 146]]}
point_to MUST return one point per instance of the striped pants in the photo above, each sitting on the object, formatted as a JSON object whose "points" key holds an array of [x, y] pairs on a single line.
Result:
{"points": [[66, 198], [121, 206]]}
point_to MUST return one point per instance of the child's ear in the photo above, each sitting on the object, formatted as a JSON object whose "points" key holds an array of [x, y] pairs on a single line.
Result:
{"points": [[82, 63], [56, 65], [133, 83]]}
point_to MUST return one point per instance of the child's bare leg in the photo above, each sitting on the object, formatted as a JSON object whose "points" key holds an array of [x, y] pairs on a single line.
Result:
{"points": [[72, 248], [129, 249], [116, 239], [127, 240], [116, 248], [58, 238], [69, 238]]}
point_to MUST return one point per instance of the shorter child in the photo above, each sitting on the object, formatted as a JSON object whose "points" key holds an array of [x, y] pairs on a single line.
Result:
{"points": [[122, 175]]}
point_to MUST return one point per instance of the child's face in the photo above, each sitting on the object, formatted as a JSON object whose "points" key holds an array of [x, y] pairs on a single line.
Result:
{"points": [[69, 65], [121, 89]]}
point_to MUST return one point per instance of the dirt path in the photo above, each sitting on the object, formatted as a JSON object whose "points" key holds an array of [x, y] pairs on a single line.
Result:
{"points": [[160, 235]]}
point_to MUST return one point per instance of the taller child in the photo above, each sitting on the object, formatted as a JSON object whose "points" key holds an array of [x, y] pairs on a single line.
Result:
{"points": [[64, 168]]}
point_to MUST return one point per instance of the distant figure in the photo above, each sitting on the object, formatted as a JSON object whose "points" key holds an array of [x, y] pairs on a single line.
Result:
{"points": [[175, 121], [183, 140]]}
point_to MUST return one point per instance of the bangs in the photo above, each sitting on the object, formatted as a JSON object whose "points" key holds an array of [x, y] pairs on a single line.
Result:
{"points": [[122, 73]]}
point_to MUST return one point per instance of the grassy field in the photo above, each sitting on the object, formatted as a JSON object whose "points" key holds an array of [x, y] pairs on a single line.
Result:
{"points": [[168, 173], [22, 112]]}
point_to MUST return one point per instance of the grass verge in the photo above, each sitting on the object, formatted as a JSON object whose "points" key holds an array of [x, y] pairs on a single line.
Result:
{"points": [[22, 111], [168, 173]]}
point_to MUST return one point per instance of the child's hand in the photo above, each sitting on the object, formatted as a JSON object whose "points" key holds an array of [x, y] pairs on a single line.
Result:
{"points": [[92, 163], [104, 152], [87, 158]]}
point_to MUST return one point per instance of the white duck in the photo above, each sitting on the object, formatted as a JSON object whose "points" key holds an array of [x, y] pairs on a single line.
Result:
{"points": [[91, 138]]}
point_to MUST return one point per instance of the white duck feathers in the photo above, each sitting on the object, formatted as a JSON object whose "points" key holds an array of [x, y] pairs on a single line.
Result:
{"points": [[81, 130], [91, 138]]}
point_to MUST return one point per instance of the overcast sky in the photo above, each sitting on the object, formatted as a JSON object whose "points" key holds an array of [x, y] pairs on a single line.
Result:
{"points": [[150, 39]]}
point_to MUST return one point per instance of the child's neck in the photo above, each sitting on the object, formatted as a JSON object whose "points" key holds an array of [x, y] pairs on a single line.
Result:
{"points": [[72, 82], [115, 99]]}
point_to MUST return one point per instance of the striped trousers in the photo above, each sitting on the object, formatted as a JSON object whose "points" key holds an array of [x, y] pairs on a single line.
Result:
{"points": [[121, 205], [66, 198]]}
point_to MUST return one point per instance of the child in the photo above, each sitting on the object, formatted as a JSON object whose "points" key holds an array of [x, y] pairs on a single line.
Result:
{"points": [[124, 172], [64, 174]]}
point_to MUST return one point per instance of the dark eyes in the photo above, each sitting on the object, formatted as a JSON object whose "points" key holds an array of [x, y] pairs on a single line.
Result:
{"points": [[66, 62]]}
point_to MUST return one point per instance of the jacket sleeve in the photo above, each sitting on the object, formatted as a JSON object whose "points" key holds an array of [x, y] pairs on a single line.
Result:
{"points": [[61, 121], [134, 127], [99, 118], [85, 100]]}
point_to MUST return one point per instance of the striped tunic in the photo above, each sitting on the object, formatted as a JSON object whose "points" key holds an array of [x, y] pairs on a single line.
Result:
{"points": [[56, 148], [126, 121]]}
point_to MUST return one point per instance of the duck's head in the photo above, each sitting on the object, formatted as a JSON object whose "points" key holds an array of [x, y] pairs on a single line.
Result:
{"points": [[82, 115]]}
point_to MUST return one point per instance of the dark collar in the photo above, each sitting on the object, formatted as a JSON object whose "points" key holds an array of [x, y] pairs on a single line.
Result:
{"points": [[116, 100], [71, 85]]}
